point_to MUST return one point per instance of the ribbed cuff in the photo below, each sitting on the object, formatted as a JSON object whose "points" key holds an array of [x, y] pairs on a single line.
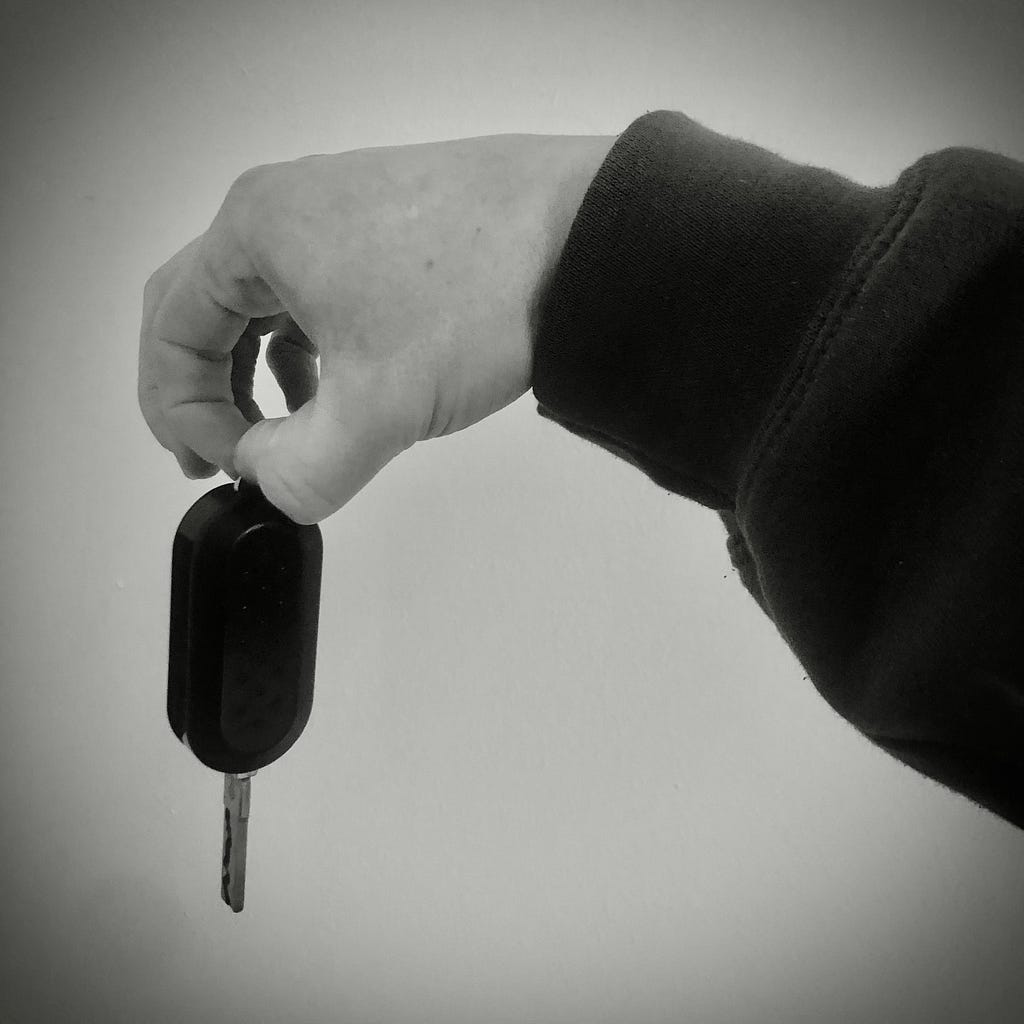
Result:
{"points": [[692, 269]]}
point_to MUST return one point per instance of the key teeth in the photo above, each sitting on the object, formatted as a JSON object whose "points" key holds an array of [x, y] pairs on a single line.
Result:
{"points": [[236, 815], [225, 867]]}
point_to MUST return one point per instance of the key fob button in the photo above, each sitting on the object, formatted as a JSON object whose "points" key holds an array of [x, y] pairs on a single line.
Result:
{"points": [[265, 640]]}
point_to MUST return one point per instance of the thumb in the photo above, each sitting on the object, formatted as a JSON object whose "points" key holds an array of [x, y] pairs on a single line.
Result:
{"points": [[310, 463]]}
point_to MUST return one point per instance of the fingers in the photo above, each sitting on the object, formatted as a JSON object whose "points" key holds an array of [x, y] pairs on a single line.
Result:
{"points": [[243, 373], [148, 387], [309, 464], [192, 336], [198, 349], [291, 357], [295, 460], [204, 314]]}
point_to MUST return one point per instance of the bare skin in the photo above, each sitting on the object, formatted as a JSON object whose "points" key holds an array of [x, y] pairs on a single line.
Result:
{"points": [[412, 271]]}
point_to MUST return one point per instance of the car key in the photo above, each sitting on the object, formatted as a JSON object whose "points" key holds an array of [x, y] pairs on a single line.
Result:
{"points": [[245, 596]]}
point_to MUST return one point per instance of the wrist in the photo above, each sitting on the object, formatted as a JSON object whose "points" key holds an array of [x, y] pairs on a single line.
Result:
{"points": [[567, 164]]}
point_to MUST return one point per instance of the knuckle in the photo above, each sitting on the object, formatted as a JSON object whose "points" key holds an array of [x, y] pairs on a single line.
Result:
{"points": [[249, 190], [154, 286], [250, 198]]}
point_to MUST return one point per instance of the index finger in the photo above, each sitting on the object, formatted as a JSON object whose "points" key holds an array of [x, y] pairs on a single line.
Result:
{"points": [[197, 323]]}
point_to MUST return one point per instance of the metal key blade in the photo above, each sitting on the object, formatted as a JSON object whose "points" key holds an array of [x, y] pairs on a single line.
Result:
{"points": [[236, 835]]}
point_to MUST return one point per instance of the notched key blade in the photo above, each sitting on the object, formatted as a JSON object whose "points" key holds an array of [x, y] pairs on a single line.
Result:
{"points": [[236, 836]]}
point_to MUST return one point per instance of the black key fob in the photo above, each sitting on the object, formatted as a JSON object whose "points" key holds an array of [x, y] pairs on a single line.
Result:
{"points": [[245, 604]]}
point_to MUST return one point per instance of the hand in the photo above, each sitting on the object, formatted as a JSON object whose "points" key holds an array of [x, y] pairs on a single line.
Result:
{"points": [[412, 271]]}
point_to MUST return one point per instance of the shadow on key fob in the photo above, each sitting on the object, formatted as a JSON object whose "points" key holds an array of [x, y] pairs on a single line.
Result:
{"points": [[245, 601]]}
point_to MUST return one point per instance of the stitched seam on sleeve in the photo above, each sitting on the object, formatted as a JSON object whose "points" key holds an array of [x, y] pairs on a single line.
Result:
{"points": [[824, 328], [738, 550]]}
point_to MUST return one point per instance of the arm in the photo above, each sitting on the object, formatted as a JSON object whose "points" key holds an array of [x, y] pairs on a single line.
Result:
{"points": [[838, 372]]}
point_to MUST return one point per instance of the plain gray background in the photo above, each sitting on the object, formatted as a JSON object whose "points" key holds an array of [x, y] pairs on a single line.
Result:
{"points": [[560, 767]]}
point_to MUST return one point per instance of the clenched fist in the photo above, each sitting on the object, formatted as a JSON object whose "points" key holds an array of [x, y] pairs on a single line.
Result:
{"points": [[412, 271]]}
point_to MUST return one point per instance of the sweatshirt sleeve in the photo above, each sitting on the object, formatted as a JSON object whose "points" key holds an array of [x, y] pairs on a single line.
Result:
{"points": [[837, 371]]}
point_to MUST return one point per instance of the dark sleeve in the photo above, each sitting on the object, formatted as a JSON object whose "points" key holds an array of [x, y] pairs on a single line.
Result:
{"points": [[837, 371]]}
